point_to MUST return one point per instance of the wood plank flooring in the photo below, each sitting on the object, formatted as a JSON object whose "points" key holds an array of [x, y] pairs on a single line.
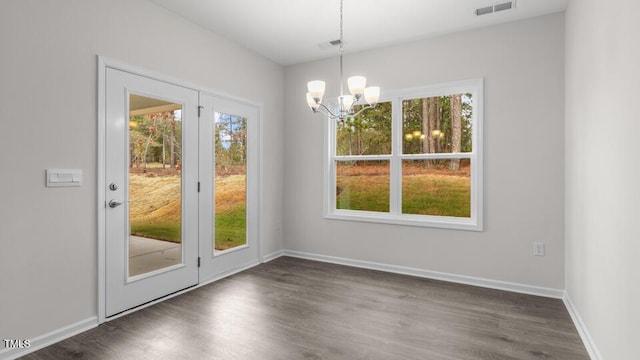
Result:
{"points": [[299, 309]]}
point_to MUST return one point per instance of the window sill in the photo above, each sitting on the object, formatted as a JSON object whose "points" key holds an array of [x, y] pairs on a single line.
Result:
{"points": [[440, 222]]}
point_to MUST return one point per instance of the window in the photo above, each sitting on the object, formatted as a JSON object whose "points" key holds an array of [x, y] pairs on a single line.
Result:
{"points": [[416, 159]]}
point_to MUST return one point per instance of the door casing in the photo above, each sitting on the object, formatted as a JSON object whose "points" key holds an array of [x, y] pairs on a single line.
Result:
{"points": [[103, 64]]}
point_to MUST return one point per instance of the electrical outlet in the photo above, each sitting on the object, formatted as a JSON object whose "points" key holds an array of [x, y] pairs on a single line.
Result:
{"points": [[538, 248]]}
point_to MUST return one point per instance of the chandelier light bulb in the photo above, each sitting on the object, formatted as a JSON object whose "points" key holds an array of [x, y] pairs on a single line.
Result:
{"points": [[372, 95], [316, 89], [312, 102], [345, 103], [357, 85]]}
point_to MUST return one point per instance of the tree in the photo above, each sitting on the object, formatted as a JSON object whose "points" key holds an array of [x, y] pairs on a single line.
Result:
{"points": [[144, 133], [456, 129], [366, 134], [230, 144], [433, 118]]}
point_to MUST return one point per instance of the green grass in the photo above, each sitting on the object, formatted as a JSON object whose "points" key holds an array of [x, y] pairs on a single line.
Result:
{"points": [[168, 231], [230, 228], [436, 195], [439, 195], [365, 192], [155, 209]]}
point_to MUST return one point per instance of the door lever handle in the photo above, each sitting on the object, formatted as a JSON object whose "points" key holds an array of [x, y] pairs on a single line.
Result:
{"points": [[113, 203]]}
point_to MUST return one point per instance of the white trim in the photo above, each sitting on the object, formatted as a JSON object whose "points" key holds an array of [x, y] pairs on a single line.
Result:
{"points": [[222, 275], [436, 275], [104, 63], [394, 215], [587, 340], [101, 185], [260, 185], [274, 255], [441, 222], [217, 253], [50, 338]]}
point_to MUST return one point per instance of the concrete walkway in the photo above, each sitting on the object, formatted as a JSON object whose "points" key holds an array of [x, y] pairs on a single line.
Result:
{"points": [[149, 254]]}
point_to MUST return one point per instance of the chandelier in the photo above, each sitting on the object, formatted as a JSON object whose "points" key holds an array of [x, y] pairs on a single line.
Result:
{"points": [[346, 103]]}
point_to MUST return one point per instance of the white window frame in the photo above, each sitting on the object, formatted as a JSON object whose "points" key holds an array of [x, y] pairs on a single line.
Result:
{"points": [[395, 215]]}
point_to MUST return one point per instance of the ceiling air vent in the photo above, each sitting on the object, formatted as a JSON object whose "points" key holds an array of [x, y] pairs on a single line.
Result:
{"points": [[484, 10], [495, 8], [503, 6]]}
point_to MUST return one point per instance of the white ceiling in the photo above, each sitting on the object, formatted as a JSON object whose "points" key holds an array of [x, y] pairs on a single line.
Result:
{"points": [[290, 31]]}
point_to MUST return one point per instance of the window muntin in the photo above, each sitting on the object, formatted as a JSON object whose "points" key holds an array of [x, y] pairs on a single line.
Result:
{"points": [[433, 181]]}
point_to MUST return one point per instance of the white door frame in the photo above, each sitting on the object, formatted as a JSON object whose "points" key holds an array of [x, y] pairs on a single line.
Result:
{"points": [[103, 64], [233, 260]]}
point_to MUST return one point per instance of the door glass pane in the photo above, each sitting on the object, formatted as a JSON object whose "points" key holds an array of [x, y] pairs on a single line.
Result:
{"points": [[155, 184], [230, 184], [362, 185], [437, 187], [439, 124]]}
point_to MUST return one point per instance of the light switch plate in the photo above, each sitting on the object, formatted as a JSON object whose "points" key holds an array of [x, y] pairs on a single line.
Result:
{"points": [[64, 177]]}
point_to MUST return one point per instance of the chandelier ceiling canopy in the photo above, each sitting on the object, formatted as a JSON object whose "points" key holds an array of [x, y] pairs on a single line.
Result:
{"points": [[348, 105]]}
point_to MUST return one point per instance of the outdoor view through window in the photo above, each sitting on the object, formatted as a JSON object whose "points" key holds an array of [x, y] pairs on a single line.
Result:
{"points": [[155, 184], [230, 181], [430, 162]]}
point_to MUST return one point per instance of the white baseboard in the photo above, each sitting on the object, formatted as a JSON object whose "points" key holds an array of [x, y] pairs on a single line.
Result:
{"points": [[74, 329], [587, 340], [436, 275], [50, 338], [274, 255], [227, 273]]}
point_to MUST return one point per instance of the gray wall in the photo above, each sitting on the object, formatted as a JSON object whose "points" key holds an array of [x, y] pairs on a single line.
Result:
{"points": [[48, 92], [523, 67], [603, 172]]}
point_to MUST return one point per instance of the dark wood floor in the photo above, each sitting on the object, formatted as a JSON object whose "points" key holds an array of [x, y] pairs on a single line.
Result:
{"points": [[298, 309]]}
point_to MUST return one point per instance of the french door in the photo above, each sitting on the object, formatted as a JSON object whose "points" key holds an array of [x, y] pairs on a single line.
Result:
{"points": [[180, 188], [151, 201], [229, 138]]}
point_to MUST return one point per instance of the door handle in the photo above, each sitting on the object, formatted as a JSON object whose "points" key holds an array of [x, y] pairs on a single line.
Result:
{"points": [[113, 203]]}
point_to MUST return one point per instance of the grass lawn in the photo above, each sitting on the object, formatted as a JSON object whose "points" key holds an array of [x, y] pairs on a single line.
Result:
{"points": [[154, 206], [423, 194], [441, 195], [155, 209], [155, 203], [230, 218], [363, 192], [230, 228], [168, 231]]}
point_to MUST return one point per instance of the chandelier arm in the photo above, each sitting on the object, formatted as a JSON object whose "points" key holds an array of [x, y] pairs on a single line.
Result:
{"points": [[364, 107], [326, 111]]}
